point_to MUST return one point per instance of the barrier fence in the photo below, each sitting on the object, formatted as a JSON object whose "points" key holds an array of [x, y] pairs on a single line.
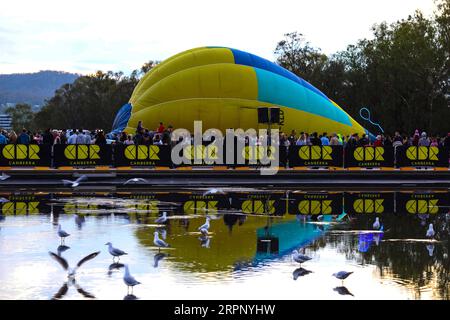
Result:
{"points": [[277, 204], [210, 155]]}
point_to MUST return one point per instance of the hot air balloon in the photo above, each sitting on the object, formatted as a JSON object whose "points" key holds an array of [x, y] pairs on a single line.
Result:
{"points": [[224, 88]]}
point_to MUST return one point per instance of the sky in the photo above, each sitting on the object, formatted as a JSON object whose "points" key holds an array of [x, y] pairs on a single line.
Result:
{"points": [[87, 35]]}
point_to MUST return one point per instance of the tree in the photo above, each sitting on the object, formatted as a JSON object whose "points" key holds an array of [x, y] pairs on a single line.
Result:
{"points": [[22, 116]]}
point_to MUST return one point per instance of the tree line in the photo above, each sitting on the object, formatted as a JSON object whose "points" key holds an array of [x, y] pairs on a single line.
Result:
{"points": [[401, 74]]}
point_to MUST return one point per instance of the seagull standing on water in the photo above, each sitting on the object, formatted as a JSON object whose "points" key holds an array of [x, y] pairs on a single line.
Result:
{"points": [[62, 234], [213, 191], [75, 183], [430, 232], [342, 275], [158, 242], [204, 228], [162, 219], [300, 258], [114, 251], [376, 224], [65, 265], [129, 280]]}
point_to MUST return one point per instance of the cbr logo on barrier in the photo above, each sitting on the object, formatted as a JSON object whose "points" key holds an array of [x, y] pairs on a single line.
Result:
{"points": [[209, 154], [255, 153], [82, 155], [142, 155], [421, 157], [25, 155], [141, 152], [315, 156], [369, 157], [318, 203], [82, 152], [423, 203], [367, 203]]}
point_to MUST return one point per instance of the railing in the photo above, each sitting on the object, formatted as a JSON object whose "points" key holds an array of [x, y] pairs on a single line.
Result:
{"points": [[151, 156]]}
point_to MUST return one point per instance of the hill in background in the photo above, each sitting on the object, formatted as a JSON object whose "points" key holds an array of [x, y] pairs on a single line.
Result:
{"points": [[32, 88]]}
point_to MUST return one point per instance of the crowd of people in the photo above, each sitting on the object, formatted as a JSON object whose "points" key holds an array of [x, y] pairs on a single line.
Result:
{"points": [[163, 136], [355, 140]]}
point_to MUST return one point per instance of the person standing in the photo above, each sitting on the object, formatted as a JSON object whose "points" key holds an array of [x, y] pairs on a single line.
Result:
{"points": [[47, 137], [324, 139], [23, 138]]}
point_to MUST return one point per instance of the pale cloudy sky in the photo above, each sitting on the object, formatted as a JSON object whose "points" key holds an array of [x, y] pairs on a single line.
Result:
{"points": [[87, 35]]}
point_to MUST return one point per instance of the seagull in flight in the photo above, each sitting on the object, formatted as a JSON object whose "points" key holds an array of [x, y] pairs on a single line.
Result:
{"points": [[4, 176], [213, 191], [158, 242], [114, 251], [75, 183], [62, 234], [65, 265], [136, 180], [129, 280]]}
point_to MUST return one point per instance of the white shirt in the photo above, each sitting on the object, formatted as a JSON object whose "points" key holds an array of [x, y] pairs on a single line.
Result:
{"points": [[72, 139]]}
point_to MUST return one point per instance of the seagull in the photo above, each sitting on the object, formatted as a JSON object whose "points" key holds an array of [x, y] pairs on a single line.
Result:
{"points": [[158, 242], [114, 251], [343, 291], [62, 234], [136, 180], [162, 219], [3, 200], [4, 176], [430, 232], [75, 183], [300, 258], [300, 272], [129, 280], [65, 265], [213, 191], [205, 227], [342, 275], [376, 224], [320, 218]]}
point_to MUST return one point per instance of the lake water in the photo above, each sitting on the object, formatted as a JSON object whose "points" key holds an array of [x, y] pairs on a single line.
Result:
{"points": [[244, 256]]}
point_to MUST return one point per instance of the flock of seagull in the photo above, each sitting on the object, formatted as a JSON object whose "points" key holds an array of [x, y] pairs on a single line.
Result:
{"points": [[128, 279]]}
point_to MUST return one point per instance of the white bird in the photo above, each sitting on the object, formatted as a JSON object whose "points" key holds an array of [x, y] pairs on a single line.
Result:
{"points": [[75, 183], [65, 265], [430, 231], [114, 251], [129, 280], [342, 275], [158, 242], [4, 176], [300, 258], [3, 200], [376, 224], [213, 191], [204, 228], [136, 180], [162, 219], [62, 234]]}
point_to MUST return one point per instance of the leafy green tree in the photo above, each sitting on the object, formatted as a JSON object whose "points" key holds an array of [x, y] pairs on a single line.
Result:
{"points": [[22, 116]]}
